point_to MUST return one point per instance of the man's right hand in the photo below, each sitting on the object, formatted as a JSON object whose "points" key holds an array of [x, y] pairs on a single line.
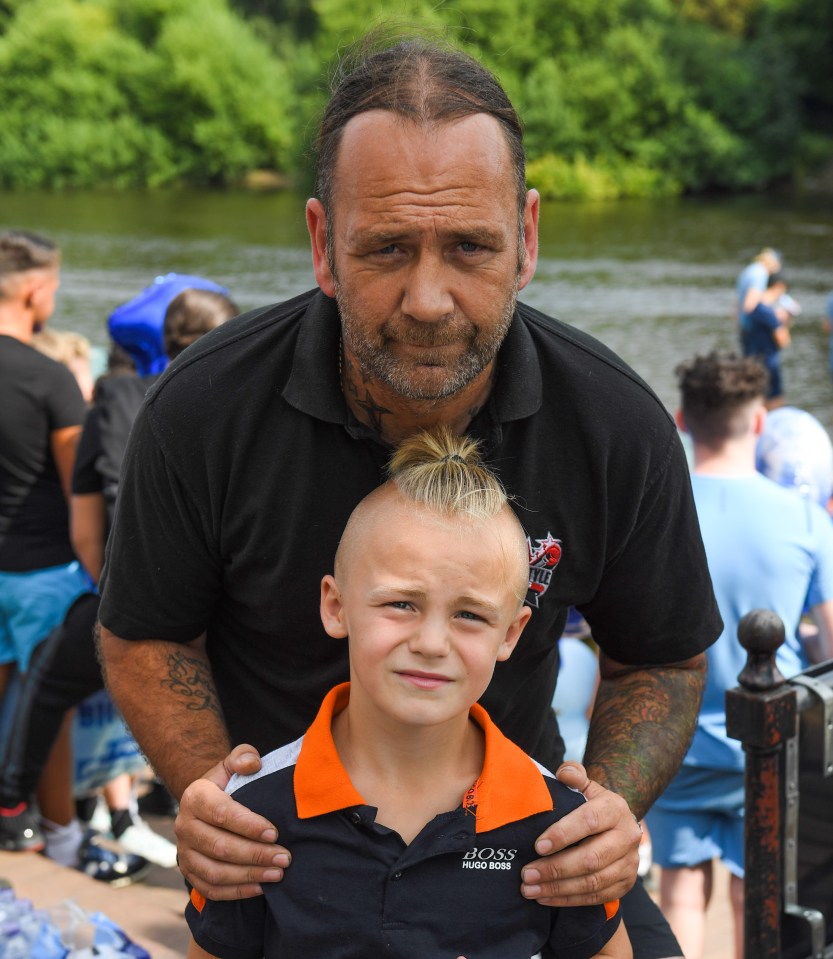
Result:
{"points": [[225, 850]]}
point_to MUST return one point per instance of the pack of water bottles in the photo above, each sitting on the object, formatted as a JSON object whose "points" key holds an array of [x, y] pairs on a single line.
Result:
{"points": [[65, 931]]}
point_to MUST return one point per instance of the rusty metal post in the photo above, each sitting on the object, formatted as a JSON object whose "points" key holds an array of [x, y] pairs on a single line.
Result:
{"points": [[762, 714]]}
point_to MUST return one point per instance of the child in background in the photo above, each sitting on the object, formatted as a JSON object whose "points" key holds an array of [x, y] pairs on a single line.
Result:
{"points": [[409, 814]]}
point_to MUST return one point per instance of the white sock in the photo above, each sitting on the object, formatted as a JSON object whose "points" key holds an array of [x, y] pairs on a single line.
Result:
{"points": [[63, 842]]}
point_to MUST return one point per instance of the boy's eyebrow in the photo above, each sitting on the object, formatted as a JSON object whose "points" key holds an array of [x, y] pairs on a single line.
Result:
{"points": [[405, 592]]}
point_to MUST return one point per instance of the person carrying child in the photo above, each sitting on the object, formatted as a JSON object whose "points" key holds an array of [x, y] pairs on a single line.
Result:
{"points": [[409, 814]]}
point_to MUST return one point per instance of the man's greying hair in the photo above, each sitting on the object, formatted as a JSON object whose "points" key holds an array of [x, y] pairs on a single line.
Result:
{"points": [[716, 391], [421, 80], [22, 251]]}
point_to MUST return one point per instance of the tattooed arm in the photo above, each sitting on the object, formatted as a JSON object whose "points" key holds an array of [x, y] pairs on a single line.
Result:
{"points": [[643, 721], [166, 694], [642, 724]]}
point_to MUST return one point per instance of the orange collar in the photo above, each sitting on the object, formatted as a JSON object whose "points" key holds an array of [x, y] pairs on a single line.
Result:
{"points": [[510, 787]]}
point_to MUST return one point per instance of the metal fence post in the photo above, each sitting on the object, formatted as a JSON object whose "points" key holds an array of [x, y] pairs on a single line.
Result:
{"points": [[763, 715]]}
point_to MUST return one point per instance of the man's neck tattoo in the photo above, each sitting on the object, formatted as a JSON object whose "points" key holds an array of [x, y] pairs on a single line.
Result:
{"points": [[370, 411]]}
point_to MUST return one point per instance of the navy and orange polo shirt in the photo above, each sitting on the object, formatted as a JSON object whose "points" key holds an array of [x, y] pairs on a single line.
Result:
{"points": [[356, 890]]}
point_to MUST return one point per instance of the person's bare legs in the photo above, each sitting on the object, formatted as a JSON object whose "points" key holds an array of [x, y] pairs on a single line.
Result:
{"points": [[55, 784], [5, 673], [684, 897], [736, 896]]}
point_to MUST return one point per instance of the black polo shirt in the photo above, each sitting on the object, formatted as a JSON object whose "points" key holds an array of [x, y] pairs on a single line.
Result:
{"points": [[356, 890], [245, 463]]}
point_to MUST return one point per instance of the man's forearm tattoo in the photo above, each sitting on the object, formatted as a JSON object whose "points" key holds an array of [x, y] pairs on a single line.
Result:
{"points": [[642, 728], [190, 678]]}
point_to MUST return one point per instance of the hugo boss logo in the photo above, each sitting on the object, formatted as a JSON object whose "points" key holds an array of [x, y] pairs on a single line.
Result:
{"points": [[488, 858]]}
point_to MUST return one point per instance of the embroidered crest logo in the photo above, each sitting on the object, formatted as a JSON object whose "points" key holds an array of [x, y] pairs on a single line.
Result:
{"points": [[544, 556]]}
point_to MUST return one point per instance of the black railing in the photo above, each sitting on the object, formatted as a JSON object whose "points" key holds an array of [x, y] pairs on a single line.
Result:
{"points": [[786, 728]]}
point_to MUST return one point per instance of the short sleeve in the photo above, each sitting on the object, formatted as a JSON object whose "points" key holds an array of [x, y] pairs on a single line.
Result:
{"points": [[229, 930], [655, 603], [160, 535], [581, 932], [821, 584], [85, 476], [65, 404]]}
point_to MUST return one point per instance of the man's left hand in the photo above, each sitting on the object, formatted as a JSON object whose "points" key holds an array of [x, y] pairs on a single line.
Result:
{"points": [[603, 865]]}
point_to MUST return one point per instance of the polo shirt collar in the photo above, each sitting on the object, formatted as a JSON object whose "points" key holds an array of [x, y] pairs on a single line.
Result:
{"points": [[510, 787], [314, 385]]}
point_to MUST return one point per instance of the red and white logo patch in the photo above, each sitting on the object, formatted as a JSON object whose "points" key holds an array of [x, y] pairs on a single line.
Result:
{"points": [[544, 557]]}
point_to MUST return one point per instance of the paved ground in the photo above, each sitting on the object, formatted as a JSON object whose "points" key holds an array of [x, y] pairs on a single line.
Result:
{"points": [[151, 911]]}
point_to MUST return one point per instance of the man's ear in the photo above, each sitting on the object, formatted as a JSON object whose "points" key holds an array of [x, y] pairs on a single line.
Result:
{"points": [[680, 421], [759, 420], [332, 609], [513, 634], [317, 226], [531, 210]]}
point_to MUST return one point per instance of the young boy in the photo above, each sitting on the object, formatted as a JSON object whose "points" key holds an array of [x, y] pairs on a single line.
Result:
{"points": [[408, 813]]}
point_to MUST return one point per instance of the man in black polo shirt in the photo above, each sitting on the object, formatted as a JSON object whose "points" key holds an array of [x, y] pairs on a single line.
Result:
{"points": [[253, 449]]}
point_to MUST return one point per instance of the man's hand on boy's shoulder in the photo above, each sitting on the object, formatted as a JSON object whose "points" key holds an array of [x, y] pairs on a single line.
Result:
{"points": [[590, 855], [225, 850]]}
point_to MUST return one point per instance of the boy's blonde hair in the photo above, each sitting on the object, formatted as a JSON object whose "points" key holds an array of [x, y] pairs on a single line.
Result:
{"points": [[444, 472]]}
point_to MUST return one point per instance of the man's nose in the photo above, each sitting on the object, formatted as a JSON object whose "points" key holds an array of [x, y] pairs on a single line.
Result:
{"points": [[427, 297]]}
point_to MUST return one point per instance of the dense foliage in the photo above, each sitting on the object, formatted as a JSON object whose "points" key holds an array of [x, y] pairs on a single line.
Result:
{"points": [[619, 97]]}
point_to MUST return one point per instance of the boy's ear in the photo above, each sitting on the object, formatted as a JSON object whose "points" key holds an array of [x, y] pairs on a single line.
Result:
{"points": [[679, 419], [332, 610], [513, 634]]}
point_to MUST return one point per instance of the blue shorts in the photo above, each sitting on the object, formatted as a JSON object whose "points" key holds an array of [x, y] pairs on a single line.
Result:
{"points": [[33, 604], [699, 818]]}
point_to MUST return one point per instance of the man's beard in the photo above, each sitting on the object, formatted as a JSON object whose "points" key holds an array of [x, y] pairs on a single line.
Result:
{"points": [[379, 361]]}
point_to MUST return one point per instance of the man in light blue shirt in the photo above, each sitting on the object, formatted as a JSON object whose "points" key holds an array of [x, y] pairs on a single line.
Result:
{"points": [[766, 548], [752, 282]]}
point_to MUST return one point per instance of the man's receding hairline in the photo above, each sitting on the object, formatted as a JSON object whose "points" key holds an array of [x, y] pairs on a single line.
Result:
{"points": [[425, 124]]}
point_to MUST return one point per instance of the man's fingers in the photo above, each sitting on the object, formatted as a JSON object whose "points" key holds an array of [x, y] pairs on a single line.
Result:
{"points": [[203, 804], [590, 855], [223, 881], [574, 775], [243, 760]]}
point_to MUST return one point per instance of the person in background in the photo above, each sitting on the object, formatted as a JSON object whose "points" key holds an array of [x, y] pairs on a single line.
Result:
{"points": [[245, 463], [827, 329], [795, 451], [67, 671], [768, 332], [752, 282], [428, 593], [73, 351], [41, 415], [766, 548]]}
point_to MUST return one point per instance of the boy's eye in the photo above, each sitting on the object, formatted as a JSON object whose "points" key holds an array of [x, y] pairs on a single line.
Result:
{"points": [[467, 614], [399, 604]]}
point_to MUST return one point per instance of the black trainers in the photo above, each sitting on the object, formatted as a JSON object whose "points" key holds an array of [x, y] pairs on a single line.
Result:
{"points": [[100, 862], [19, 830]]}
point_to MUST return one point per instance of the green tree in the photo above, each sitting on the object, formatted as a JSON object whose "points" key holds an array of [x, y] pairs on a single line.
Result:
{"points": [[96, 92]]}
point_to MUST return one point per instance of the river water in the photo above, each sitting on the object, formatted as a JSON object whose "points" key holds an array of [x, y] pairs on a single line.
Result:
{"points": [[653, 280]]}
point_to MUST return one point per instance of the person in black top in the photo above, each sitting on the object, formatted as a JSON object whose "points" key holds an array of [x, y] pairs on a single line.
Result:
{"points": [[41, 412], [251, 452], [65, 669]]}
